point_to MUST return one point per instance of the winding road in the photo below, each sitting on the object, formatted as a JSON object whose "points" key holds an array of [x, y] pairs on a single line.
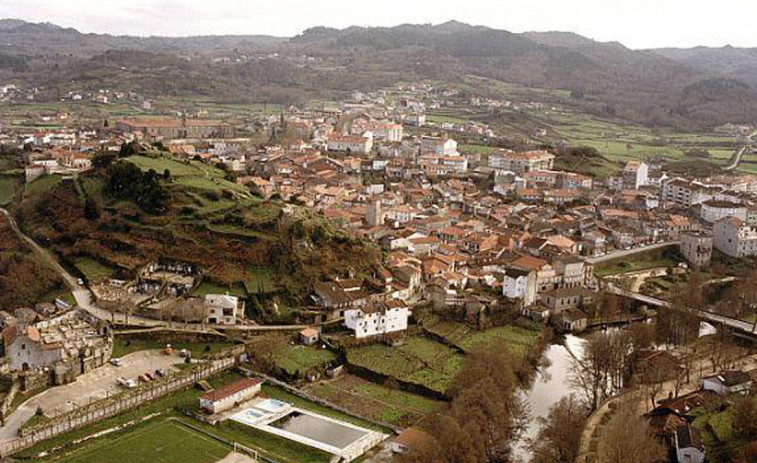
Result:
{"points": [[740, 153]]}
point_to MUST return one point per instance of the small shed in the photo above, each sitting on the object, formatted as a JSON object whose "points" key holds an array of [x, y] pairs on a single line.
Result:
{"points": [[309, 336]]}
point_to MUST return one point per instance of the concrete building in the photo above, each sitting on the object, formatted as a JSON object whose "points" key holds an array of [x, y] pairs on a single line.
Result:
{"points": [[439, 146], [520, 284], [685, 193], [522, 162], [635, 174], [351, 143], [175, 128], [375, 320], [374, 216], [734, 237], [713, 210], [696, 247], [222, 309], [230, 395]]}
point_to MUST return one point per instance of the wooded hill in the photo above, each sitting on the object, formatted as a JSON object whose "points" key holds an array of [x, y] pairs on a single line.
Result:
{"points": [[606, 78]]}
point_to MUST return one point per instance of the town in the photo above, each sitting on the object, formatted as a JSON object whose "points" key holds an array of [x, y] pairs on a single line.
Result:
{"points": [[371, 278]]}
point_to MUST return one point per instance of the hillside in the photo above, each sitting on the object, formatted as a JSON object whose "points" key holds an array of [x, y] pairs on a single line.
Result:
{"points": [[100, 226], [737, 63], [605, 78]]}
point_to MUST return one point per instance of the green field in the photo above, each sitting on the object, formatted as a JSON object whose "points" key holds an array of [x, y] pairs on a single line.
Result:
{"points": [[519, 340], [40, 185], [656, 258], [298, 360], [163, 442], [385, 404], [208, 287], [419, 360], [92, 269], [7, 189]]}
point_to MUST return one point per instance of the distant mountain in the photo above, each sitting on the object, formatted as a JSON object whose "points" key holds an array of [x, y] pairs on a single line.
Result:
{"points": [[25, 38], [738, 63], [686, 88]]}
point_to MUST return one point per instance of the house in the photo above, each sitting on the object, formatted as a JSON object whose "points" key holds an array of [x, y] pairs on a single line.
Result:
{"points": [[689, 446], [635, 174], [696, 247], [734, 237], [230, 395], [309, 336], [728, 382], [351, 143], [407, 439], [566, 298], [572, 320], [379, 319], [520, 163], [520, 284], [222, 309]]}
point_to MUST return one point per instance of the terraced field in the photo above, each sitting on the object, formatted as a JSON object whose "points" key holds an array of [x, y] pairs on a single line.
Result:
{"points": [[419, 361]]}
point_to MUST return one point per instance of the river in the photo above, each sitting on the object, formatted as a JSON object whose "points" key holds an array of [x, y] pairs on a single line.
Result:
{"points": [[552, 383]]}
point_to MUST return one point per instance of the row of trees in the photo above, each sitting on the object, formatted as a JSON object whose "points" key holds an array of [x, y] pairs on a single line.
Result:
{"points": [[484, 416]]}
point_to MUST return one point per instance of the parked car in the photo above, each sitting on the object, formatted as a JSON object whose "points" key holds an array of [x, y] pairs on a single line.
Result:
{"points": [[149, 376], [116, 362], [160, 372], [127, 383], [144, 379], [184, 353]]}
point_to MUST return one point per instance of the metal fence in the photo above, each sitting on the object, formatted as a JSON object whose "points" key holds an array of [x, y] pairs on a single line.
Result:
{"points": [[112, 406]]}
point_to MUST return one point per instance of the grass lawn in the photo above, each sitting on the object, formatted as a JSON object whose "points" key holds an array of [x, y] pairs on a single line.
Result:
{"points": [[123, 347], [420, 361], [163, 442], [7, 189], [297, 360], [93, 269], [40, 185], [208, 287], [655, 258]]}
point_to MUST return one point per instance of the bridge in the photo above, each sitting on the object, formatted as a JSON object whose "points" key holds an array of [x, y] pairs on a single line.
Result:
{"points": [[737, 325]]}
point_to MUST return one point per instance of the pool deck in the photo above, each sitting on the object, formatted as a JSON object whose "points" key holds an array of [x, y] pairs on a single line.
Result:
{"points": [[262, 413]]}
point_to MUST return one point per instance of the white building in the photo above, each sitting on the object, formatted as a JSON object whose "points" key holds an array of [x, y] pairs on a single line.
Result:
{"points": [[696, 247], [230, 395], [734, 237], [684, 193], [222, 309], [351, 143], [714, 210], [439, 146], [520, 163], [689, 447], [728, 382], [520, 284], [635, 174], [377, 320]]}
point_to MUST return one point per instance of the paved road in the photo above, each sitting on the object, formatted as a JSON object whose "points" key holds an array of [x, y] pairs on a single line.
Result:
{"points": [[741, 151], [94, 385], [84, 299], [628, 252]]}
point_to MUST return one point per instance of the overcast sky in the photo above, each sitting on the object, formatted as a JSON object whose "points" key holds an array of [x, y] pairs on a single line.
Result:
{"points": [[635, 23]]}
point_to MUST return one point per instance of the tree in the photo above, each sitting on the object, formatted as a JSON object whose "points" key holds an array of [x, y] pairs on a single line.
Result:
{"points": [[628, 439], [166, 174], [745, 417], [559, 434]]}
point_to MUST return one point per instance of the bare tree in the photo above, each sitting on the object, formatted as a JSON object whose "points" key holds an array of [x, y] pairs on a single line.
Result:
{"points": [[628, 439], [559, 436]]}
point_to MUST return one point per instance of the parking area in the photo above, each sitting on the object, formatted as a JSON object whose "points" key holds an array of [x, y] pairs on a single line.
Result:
{"points": [[101, 382]]}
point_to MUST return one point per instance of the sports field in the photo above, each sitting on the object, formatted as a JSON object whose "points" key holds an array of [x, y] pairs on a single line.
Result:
{"points": [[163, 442]]}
